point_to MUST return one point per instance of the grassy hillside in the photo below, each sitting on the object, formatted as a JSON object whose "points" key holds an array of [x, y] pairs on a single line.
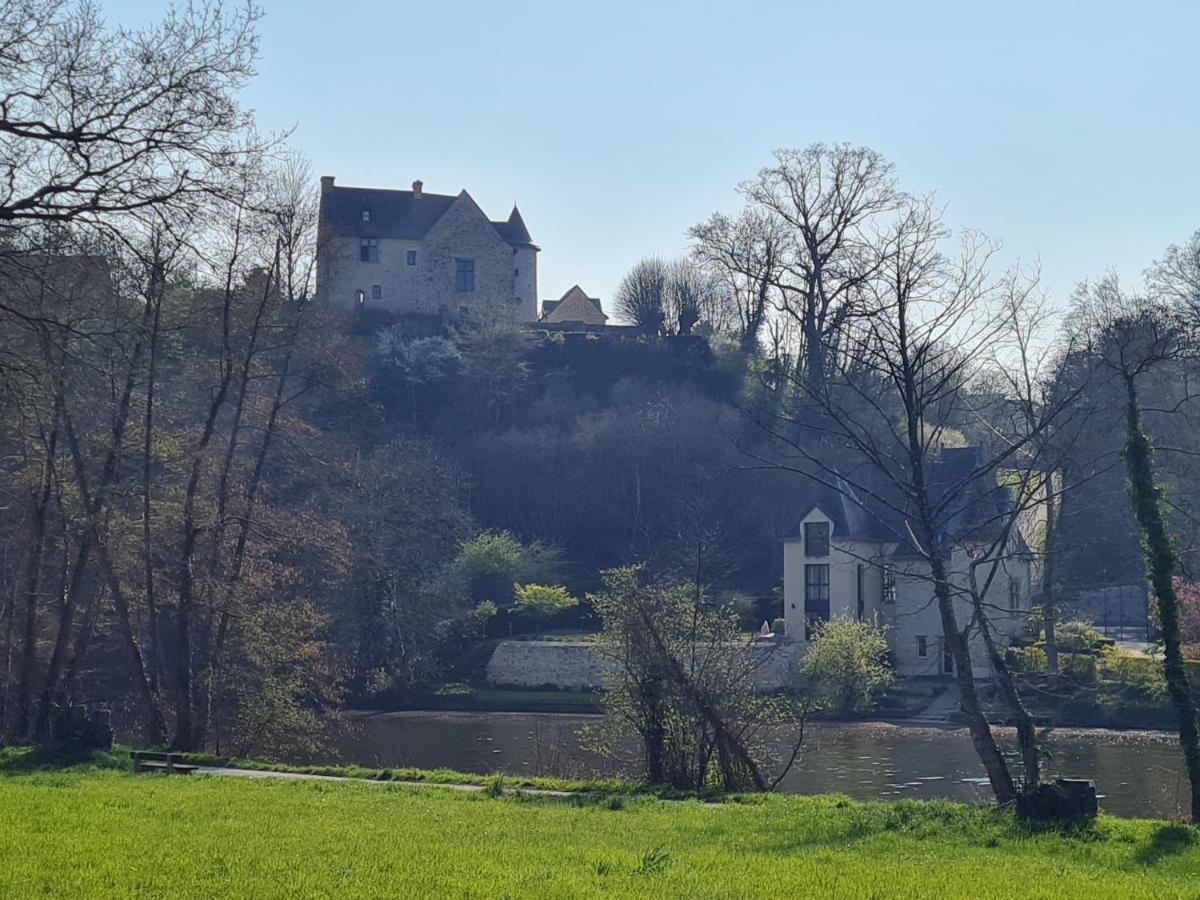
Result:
{"points": [[97, 832]]}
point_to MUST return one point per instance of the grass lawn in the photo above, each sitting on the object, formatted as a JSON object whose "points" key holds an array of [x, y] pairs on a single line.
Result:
{"points": [[88, 831]]}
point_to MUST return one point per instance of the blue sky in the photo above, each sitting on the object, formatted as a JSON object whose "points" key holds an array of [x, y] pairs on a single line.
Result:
{"points": [[1071, 131]]}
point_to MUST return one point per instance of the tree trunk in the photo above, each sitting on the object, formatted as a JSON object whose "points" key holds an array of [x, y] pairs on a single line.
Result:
{"points": [[981, 732], [1048, 566], [33, 586], [66, 619], [1026, 730], [1162, 563]]}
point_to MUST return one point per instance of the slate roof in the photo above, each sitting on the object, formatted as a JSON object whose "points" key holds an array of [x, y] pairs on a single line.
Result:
{"points": [[514, 230], [972, 506], [400, 214]]}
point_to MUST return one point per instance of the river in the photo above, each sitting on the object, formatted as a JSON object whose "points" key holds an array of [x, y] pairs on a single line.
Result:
{"points": [[1137, 773]]}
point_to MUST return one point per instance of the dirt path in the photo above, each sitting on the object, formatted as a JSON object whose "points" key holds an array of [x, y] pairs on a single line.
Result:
{"points": [[226, 772]]}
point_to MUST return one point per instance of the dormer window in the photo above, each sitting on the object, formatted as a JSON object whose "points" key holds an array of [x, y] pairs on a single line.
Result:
{"points": [[816, 538], [366, 215]]}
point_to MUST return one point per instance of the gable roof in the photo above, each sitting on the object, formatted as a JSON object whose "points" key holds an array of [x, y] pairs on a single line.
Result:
{"points": [[559, 310], [401, 214], [972, 505]]}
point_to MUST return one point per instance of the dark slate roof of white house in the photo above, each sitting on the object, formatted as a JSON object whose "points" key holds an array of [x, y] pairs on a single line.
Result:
{"points": [[968, 501], [400, 214]]}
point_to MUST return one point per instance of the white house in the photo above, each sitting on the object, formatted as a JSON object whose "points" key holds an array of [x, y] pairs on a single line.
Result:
{"points": [[419, 253], [853, 559]]}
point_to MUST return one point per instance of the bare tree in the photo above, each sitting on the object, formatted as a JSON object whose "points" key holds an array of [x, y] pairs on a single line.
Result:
{"points": [[640, 297], [683, 685], [97, 121], [828, 200], [905, 384], [745, 255]]}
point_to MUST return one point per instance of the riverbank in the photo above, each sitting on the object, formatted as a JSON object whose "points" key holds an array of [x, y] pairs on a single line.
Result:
{"points": [[96, 831]]}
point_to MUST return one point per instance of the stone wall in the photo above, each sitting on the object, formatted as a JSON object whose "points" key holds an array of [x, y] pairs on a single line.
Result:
{"points": [[575, 665]]}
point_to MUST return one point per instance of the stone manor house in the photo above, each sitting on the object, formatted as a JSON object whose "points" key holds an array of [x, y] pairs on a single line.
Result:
{"points": [[426, 254]]}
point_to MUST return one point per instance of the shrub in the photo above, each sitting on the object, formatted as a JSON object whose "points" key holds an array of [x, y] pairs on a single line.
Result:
{"points": [[1077, 637], [490, 566], [1080, 666], [1138, 672], [542, 601], [1030, 659], [845, 663]]}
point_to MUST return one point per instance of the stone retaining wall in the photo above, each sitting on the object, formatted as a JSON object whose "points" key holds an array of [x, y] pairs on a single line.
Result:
{"points": [[575, 665]]}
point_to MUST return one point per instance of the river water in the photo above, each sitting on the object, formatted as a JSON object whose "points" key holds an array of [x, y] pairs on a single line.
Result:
{"points": [[1137, 773]]}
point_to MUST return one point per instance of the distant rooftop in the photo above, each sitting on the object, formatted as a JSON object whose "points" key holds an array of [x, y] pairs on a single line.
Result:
{"points": [[404, 215]]}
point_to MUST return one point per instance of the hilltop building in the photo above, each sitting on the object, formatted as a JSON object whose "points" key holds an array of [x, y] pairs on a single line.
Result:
{"points": [[419, 253], [855, 559], [574, 307]]}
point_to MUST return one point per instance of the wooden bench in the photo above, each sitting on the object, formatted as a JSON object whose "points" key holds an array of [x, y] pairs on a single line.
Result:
{"points": [[170, 763]]}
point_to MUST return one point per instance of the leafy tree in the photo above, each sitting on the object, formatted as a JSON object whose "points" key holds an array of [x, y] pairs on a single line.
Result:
{"points": [[845, 664], [491, 566], [540, 601]]}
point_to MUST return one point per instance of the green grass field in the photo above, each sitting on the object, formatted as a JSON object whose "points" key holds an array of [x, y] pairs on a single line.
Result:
{"points": [[94, 832]]}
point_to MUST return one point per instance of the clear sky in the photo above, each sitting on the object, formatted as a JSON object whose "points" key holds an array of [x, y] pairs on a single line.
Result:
{"points": [[1071, 131]]}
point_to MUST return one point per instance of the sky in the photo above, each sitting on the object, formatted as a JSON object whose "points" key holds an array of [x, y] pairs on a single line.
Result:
{"points": [[1069, 131]]}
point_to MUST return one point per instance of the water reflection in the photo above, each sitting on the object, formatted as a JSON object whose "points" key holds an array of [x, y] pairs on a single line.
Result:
{"points": [[1137, 773]]}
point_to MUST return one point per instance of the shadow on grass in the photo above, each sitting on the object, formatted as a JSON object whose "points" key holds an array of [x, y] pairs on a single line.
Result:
{"points": [[1167, 840], [29, 760]]}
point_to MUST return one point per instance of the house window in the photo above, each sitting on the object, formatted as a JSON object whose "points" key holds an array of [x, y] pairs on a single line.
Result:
{"points": [[816, 538], [922, 646], [464, 311], [366, 215], [816, 594], [1014, 594], [889, 584], [464, 275], [516, 272], [360, 297], [412, 257], [947, 662], [376, 292], [368, 250]]}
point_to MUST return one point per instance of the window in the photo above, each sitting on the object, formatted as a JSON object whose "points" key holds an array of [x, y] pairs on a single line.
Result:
{"points": [[464, 311], [889, 584], [1014, 594], [368, 250], [376, 292], [816, 538], [947, 663], [922, 646], [464, 275], [816, 593], [516, 272], [412, 257], [360, 297], [366, 215]]}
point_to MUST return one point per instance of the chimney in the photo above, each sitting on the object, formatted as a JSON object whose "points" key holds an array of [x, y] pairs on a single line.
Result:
{"points": [[326, 184], [417, 185]]}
